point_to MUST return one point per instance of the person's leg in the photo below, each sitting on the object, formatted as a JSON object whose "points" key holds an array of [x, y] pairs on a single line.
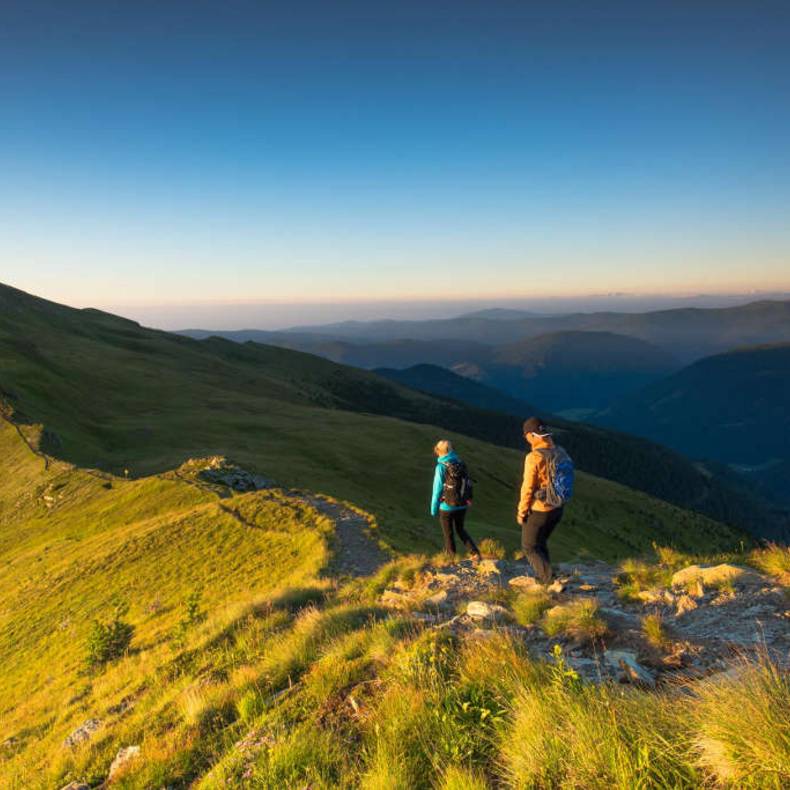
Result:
{"points": [[530, 545], [459, 517], [447, 528], [544, 532]]}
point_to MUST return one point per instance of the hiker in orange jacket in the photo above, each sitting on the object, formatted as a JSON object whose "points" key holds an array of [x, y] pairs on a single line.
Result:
{"points": [[537, 517]]}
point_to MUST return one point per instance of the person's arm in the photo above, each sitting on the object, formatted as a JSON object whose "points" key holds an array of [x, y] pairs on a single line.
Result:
{"points": [[528, 486], [438, 485]]}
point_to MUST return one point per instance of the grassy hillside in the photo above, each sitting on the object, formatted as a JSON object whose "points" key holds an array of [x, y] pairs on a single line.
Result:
{"points": [[114, 395], [74, 544], [447, 384]]}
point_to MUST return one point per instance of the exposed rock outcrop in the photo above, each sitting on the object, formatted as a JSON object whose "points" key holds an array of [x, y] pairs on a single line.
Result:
{"points": [[706, 616]]}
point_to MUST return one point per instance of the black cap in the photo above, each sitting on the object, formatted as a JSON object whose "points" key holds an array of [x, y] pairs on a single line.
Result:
{"points": [[534, 425]]}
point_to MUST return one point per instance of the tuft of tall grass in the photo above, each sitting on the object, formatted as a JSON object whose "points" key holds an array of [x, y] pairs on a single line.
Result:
{"points": [[290, 653], [654, 631], [399, 743], [636, 576], [773, 560], [306, 757], [579, 620], [492, 549], [528, 607], [584, 736], [742, 726], [458, 778]]}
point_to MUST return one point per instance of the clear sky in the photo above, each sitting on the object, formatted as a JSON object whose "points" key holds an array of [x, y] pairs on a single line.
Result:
{"points": [[157, 153]]}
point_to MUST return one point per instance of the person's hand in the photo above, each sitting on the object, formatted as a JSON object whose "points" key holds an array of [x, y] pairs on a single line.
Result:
{"points": [[521, 521]]}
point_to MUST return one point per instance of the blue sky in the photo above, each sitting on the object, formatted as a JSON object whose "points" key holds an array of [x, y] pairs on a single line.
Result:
{"points": [[162, 153]]}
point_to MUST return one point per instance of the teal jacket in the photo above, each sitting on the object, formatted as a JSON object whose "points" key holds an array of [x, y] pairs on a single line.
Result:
{"points": [[438, 484]]}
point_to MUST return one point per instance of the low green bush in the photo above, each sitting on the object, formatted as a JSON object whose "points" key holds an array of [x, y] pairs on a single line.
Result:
{"points": [[108, 641]]}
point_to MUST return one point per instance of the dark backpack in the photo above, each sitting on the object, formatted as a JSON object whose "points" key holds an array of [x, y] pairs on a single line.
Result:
{"points": [[559, 488], [457, 490]]}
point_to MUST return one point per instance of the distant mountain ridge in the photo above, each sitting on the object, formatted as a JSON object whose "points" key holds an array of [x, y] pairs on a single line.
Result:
{"points": [[732, 407], [687, 333], [579, 362], [576, 370]]}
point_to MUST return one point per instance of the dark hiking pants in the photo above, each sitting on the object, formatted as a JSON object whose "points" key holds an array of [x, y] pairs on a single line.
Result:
{"points": [[452, 521], [534, 536]]}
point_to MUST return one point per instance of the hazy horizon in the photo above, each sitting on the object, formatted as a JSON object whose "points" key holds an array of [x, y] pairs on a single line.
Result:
{"points": [[280, 316], [198, 152]]}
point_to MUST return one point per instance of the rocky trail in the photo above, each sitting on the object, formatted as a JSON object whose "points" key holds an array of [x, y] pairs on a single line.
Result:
{"points": [[355, 552], [707, 616]]}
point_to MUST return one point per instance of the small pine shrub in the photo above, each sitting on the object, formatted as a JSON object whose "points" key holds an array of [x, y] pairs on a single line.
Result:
{"points": [[492, 549], [108, 641], [193, 615]]}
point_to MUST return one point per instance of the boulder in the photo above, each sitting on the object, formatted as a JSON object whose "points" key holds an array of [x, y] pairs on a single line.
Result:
{"points": [[684, 604], [480, 610], [631, 670], [393, 599], [708, 575], [525, 583], [122, 759], [82, 734]]}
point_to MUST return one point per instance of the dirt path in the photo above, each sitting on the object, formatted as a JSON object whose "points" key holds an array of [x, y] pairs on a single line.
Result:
{"points": [[355, 552]]}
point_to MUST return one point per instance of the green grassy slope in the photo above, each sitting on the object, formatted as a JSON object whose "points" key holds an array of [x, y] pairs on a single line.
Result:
{"points": [[72, 542]]}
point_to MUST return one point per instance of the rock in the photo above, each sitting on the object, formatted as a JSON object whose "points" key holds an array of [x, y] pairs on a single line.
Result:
{"points": [[424, 617], [393, 599], [76, 786], [124, 705], [82, 734], [480, 610], [632, 671], [437, 599], [446, 578], [122, 759], [709, 575], [556, 587], [684, 604], [525, 583]]}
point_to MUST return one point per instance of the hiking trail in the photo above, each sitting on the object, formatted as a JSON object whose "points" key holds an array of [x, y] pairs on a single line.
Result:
{"points": [[355, 552]]}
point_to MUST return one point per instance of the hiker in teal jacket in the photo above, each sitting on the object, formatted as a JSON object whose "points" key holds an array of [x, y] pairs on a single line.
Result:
{"points": [[451, 517]]}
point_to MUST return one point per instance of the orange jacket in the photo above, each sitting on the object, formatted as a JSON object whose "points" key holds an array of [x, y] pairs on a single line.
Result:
{"points": [[536, 476]]}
